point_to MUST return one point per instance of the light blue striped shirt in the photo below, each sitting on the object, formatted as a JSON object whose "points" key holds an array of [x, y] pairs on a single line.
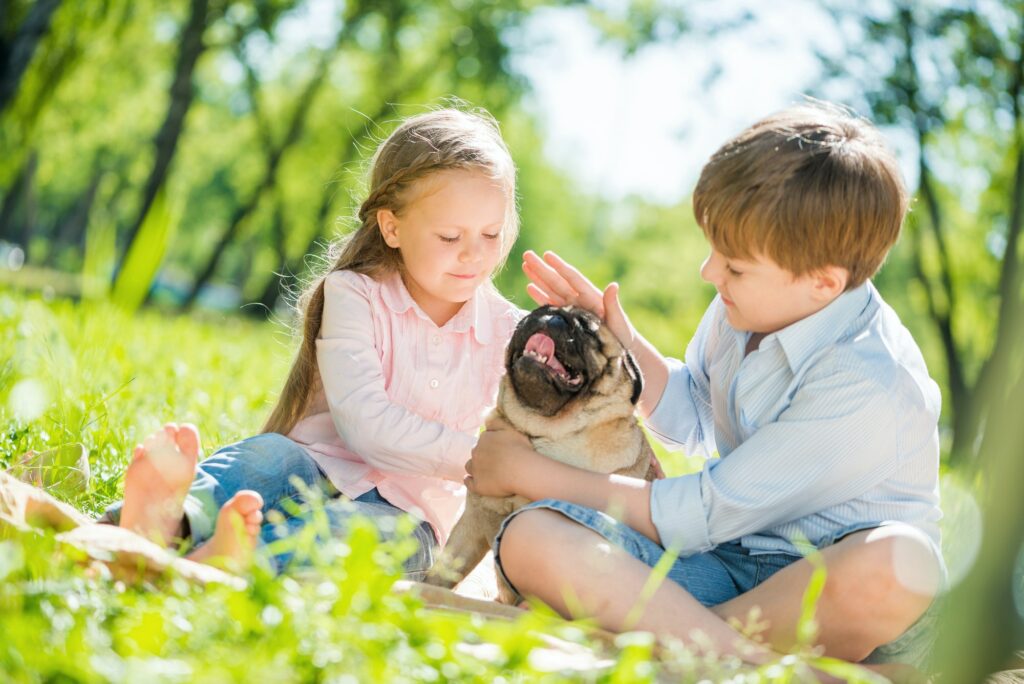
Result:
{"points": [[829, 427]]}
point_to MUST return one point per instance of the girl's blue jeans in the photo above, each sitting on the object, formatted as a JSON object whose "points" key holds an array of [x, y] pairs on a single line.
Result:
{"points": [[269, 464]]}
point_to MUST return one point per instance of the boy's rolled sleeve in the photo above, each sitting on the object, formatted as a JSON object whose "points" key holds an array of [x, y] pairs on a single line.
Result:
{"points": [[838, 438], [675, 411], [683, 418], [678, 514]]}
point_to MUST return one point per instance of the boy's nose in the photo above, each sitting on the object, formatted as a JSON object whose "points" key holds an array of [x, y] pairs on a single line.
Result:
{"points": [[709, 271]]}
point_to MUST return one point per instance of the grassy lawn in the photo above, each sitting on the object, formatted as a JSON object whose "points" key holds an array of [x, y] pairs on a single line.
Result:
{"points": [[90, 373]]}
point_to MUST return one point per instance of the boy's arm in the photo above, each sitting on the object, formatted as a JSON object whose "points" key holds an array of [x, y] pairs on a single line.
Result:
{"points": [[842, 434], [505, 463], [554, 281]]}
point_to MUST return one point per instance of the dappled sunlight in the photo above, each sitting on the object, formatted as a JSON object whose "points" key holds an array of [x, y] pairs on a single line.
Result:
{"points": [[961, 528]]}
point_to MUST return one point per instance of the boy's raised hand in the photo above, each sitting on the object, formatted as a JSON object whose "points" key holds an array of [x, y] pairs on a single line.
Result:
{"points": [[554, 281]]}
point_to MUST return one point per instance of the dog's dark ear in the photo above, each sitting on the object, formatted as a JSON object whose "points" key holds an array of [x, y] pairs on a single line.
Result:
{"points": [[633, 371]]}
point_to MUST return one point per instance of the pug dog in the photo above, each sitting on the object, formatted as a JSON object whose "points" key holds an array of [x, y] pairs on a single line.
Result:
{"points": [[572, 388]]}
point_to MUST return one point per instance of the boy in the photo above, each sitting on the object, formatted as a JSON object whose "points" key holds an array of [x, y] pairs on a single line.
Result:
{"points": [[802, 379]]}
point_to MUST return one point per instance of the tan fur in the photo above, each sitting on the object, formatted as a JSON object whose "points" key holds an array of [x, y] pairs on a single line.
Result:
{"points": [[597, 432]]}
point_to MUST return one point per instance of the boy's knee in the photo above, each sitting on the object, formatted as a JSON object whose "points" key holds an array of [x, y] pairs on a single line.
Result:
{"points": [[523, 542], [882, 580], [894, 562], [535, 546]]}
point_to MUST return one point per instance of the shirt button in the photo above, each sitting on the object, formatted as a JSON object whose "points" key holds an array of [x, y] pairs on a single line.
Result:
{"points": [[434, 383], [436, 339]]}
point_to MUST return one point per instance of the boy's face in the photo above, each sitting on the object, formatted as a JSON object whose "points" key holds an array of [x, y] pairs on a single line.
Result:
{"points": [[762, 297]]}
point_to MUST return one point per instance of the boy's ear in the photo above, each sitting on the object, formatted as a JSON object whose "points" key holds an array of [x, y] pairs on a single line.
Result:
{"points": [[830, 282], [388, 224]]}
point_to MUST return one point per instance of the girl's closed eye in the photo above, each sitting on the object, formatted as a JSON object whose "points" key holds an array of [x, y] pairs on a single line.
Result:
{"points": [[455, 238]]}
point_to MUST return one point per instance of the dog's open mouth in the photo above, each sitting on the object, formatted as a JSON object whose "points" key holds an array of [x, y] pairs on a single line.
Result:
{"points": [[541, 348]]}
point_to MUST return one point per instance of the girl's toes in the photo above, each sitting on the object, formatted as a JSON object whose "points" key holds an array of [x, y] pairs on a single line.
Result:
{"points": [[248, 502], [187, 439]]}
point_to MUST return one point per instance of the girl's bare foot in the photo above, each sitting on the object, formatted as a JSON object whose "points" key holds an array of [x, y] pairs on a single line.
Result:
{"points": [[234, 538], [157, 481]]}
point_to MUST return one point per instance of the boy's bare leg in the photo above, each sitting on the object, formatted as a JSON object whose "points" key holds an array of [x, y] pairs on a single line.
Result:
{"points": [[234, 537], [157, 482], [543, 552], [879, 582]]}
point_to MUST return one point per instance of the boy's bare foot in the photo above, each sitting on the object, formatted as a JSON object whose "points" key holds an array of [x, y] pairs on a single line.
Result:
{"points": [[234, 538], [157, 481]]}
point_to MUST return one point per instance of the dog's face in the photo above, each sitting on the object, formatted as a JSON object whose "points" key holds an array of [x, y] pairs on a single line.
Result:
{"points": [[559, 356]]}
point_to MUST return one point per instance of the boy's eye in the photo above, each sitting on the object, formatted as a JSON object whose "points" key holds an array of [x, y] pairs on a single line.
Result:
{"points": [[489, 236], [733, 271], [445, 238]]}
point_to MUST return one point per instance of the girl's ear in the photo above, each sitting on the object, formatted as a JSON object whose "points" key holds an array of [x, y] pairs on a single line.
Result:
{"points": [[388, 224]]}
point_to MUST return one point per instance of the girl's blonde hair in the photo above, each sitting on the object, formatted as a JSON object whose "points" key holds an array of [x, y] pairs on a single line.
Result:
{"points": [[440, 140]]}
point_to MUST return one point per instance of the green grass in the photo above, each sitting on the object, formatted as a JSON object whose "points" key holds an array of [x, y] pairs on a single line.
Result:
{"points": [[91, 373]]}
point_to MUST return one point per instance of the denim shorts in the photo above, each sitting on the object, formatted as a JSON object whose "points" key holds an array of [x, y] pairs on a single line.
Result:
{"points": [[720, 574]]}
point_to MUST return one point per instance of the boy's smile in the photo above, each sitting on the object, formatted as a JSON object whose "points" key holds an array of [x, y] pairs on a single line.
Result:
{"points": [[762, 297]]}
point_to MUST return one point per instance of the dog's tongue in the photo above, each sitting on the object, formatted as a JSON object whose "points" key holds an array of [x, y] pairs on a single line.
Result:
{"points": [[542, 345]]}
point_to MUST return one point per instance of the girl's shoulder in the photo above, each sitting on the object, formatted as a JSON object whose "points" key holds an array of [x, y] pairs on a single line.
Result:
{"points": [[351, 280]]}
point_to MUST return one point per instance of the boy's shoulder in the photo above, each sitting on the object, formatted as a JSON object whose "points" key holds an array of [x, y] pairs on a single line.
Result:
{"points": [[875, 345]]}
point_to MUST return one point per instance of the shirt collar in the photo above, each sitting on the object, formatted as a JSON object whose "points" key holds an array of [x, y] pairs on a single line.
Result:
{"points": [[822, 328], [474, 315]]}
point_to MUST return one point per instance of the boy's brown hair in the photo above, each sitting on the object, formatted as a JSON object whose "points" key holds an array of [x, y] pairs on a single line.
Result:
{"points": [[808, 187]]}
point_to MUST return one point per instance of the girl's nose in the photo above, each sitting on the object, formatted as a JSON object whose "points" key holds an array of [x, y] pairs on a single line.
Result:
{"points": [[471, 250]]}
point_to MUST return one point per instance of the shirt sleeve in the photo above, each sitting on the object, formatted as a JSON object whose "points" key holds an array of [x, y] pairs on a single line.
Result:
{"points": [[387, 436], [683, 418], [838, 438]]}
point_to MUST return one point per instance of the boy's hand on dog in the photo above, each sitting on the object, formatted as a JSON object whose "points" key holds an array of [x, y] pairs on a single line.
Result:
{"points": [[554, 281], [497, 451]]}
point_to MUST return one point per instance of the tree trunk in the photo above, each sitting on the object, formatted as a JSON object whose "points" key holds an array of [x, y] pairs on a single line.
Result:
{"points": [[1010, 305], [15, 202], [70, 230], [979, 630], [274, 156], [166, 141], [275, 285], [16, 58]]}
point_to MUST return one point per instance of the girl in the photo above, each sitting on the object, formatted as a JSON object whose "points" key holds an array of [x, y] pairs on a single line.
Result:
{"points": [[401, 355]]}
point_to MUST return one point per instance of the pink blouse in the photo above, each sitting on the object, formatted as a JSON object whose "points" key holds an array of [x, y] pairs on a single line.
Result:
{"points": [[403, 399]]}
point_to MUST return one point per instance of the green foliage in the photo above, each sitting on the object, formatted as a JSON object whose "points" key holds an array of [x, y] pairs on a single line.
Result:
{"points": [[145, 254]]}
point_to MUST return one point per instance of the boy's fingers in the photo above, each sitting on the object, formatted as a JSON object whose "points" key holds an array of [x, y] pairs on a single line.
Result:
{"points": [[576, 280], [615, 316], [557, 287], [614, 313], [538, 295]]}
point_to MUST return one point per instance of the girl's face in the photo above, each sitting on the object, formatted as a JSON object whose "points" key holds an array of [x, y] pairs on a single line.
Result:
{"points": [[450, 238]]}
